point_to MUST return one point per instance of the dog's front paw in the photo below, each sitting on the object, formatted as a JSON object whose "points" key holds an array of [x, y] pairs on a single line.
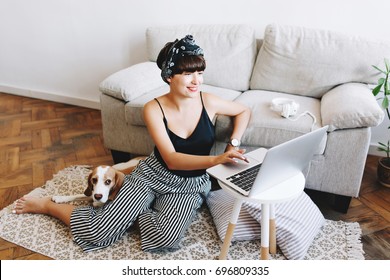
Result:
{"points": [[59, 199]]}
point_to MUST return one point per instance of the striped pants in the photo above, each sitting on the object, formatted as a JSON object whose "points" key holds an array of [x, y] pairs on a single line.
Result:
{"points": [[164, 204]]}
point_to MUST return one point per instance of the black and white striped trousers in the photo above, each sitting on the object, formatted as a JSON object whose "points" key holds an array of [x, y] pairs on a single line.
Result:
{"points": [[164, 203]]}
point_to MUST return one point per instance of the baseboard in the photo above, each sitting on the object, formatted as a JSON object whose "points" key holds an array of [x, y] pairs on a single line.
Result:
{"points": [[51, 97]]}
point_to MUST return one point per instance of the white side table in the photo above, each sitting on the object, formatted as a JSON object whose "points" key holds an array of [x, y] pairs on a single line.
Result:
{"points": [[284, 191]]}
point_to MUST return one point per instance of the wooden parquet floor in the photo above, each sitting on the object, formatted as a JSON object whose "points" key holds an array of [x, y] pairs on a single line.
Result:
{"points": [[39, 138]]}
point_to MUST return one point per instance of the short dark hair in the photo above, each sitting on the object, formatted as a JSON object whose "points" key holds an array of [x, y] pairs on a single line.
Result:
{"points": [[187, 63], [190, 63]]}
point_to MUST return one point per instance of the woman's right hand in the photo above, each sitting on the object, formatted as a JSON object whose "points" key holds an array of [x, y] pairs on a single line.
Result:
{"points": [[232, 156]]}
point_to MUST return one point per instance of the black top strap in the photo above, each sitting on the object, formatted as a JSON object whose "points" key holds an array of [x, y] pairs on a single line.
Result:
{"points": [[160, 107], [201, 98]]}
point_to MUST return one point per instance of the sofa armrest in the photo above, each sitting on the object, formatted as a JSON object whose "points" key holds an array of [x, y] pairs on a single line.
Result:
{"points": [[132, 82], [350, 105]]}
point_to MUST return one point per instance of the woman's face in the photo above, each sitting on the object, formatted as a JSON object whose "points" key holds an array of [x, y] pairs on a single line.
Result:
{"points": [[187, 83]]}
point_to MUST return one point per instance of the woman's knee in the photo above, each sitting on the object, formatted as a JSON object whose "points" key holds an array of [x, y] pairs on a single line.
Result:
{"points": [[161, 235]]}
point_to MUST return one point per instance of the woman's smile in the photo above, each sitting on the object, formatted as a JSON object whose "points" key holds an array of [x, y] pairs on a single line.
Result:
{"points": [[193, 89]]}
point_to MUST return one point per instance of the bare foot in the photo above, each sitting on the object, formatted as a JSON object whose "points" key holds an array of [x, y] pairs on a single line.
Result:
{"points": [[30, 204]]}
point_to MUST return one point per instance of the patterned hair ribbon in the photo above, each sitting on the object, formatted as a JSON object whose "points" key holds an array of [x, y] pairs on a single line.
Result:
{"points": [[179, 48]]}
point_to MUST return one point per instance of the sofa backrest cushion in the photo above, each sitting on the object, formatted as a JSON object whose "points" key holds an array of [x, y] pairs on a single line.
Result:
{"points": [[230, 51], [310, 62]]}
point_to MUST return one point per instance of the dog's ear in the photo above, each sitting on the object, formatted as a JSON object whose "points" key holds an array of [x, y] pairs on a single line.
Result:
{"points": [[119, 178], [89, 189]]}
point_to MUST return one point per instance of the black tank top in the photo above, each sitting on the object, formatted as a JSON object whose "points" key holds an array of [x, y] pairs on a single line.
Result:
{"points": [[198, 143]]}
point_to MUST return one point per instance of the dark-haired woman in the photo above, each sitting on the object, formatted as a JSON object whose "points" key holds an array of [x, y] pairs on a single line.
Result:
{"points": [[166, 189]]}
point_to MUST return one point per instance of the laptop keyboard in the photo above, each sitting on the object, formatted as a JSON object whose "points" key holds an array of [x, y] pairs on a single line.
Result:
{"points": [[246, 178]]}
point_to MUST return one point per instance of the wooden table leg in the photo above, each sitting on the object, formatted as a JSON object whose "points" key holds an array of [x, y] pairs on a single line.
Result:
{"points": [[264, 253], [272, 230], [230, 229]]}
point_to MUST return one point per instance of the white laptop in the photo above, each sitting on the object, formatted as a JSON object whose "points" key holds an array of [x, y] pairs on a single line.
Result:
{"points": [[267, 168]]}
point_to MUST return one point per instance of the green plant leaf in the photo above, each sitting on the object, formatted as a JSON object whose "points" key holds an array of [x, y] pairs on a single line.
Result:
{"points": [[387, 65], [385, 102], [380, 70], [376, 90], [380, 143]]}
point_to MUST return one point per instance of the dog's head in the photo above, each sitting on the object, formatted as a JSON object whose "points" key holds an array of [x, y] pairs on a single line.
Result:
{"points": [[104, 183]]}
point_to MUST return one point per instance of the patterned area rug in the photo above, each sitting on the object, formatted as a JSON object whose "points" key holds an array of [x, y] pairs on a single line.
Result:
{"points": [[47, 236]]}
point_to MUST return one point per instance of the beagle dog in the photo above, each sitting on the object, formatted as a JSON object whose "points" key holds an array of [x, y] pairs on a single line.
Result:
{"points": [[104, 183]]}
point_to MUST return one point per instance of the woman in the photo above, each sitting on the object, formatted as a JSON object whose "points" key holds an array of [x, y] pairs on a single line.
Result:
{"points": [[166, 189]]}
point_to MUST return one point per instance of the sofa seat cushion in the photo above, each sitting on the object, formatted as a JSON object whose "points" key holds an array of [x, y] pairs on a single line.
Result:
{"points": [[297, 222], [310, 62], [268, 128], [133, 109], [230, 50]]}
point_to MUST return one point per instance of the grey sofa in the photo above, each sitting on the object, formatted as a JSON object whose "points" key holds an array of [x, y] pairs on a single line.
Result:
{"points": [[325, 72]]}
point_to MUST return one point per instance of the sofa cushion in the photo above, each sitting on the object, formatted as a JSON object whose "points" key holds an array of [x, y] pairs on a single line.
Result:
{"points": [[268, 128], [230, 50], [132, 82], [133, 109], [297, 222], [310, 62], [350, 105]]}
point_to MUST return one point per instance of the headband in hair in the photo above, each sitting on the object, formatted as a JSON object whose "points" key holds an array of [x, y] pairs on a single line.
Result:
{"points": [[179, 48]]}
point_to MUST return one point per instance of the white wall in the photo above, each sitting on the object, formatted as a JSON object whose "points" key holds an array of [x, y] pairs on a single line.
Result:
{"points": [[61, 50]]}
